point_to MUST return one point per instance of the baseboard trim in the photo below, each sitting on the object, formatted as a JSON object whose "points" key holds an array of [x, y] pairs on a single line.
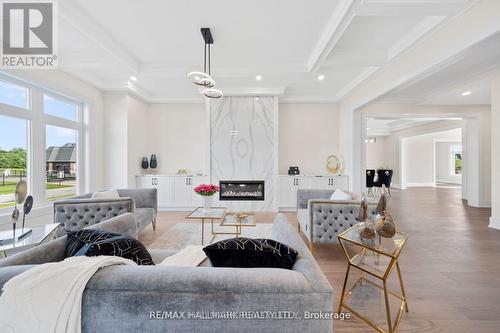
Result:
{"points": [[420, 185], [396, 186], [494, 223]]}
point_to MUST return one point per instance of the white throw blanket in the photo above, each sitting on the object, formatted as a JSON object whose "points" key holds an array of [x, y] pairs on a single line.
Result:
{"points": [[190, 256], [48, 297]]}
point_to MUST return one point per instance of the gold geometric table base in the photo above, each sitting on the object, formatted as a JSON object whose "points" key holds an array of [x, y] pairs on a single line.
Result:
{"points": [[376, 258]]}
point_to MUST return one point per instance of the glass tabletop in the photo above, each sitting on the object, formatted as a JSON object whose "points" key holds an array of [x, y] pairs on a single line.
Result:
{"points": [[213, 213], [388, 246], [38, 234], [231, 219]]}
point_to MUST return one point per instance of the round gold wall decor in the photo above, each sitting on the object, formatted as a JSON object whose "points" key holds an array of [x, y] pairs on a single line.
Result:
{"points": [[332, 164]]}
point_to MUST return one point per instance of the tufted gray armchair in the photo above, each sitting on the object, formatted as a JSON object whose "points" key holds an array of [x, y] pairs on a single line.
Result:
{"points": [[83, 211], [322, 219]]}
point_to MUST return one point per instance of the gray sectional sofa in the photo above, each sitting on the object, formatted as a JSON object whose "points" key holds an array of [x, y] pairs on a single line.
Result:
{"points": [[322, 219], [144, 298], [83, 210]]}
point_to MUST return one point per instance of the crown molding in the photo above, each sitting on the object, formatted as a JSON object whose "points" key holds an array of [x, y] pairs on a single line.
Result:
{"points": [[309, 99], [409, 8], [254, 91]]}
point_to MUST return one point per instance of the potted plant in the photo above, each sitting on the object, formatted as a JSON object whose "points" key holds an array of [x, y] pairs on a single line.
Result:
{"points": [[207, 191]]}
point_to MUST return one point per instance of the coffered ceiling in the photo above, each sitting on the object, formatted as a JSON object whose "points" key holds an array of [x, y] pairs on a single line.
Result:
{"points": [[463, 80], [290, 43]]}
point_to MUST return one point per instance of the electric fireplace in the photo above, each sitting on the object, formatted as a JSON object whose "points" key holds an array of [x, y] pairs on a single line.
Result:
{"points": [[246, 190]]}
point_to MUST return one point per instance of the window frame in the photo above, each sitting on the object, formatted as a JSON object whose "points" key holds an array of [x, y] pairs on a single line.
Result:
{"points": [[37, 120]]}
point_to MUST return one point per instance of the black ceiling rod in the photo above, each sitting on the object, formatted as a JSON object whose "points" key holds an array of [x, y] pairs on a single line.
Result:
{"points": [[209, 60]]}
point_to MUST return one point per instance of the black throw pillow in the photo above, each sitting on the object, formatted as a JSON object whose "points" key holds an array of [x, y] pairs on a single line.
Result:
{"points": [[246, 252], [77, 239], [100, 243]]}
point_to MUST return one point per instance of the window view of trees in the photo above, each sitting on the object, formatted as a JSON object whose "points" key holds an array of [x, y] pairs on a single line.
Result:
{"points": [[13, 157], [457, 159]]}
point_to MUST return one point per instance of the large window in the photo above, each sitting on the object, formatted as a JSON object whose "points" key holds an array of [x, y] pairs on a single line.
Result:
{"points": [[13, 157], [14, 95], [40, 136], [59, 108]]}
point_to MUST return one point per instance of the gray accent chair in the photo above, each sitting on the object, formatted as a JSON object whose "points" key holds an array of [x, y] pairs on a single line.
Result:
{"points": [[123, 298], [83, 210], [322, 219]]}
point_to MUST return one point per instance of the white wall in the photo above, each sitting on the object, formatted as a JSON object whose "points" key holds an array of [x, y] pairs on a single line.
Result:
{"points": [[138, 138], [376, 154], [126, 137], [115, 140], [495, 152], [420, 156], [444, 166], [178, 136], [308, 134]]}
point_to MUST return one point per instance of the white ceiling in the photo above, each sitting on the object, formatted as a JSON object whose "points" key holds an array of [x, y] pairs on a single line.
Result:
{"points": [[469, 71], [288, 42]]}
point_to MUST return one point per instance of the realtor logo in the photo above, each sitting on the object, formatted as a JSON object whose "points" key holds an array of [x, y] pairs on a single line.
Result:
{"points": [[28, 34]]}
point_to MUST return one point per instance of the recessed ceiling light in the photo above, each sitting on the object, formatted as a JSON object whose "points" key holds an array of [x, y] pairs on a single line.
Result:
{"points": [[133, 78], [258, 77], [257, 98], [321, 77], [466, 93]]}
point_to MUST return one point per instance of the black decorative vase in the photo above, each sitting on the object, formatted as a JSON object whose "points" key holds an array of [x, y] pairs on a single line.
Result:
{"points": [[145, 163], [153, 163]]}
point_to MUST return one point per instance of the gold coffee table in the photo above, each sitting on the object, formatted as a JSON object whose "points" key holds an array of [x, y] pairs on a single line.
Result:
{"points": [[215, 213], [232, 220], [373, 258]]}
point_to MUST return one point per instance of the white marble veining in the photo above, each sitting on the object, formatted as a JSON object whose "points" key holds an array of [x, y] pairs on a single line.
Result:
{"points": [[242, 145]]}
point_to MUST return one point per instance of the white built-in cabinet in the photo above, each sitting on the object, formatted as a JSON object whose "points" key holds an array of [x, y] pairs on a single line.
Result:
{"points": [[174, 191], [177, 192], [288, 186]]}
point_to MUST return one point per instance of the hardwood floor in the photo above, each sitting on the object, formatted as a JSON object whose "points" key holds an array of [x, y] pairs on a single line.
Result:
{"points": [[451, 264]]}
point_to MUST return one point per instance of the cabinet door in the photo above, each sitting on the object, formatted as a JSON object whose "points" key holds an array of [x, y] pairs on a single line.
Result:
{"points": [[165, 191], [287, 192], [196, 199], [182, 195], [341, 182], [145, 182], [304, 183], [322, 183]]}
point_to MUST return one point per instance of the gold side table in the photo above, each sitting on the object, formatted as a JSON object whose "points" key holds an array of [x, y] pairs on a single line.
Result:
{"points": [[373, 258]]}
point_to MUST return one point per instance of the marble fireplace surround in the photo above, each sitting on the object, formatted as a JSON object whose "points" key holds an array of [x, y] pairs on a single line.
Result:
{"points": [[243, 146]]}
